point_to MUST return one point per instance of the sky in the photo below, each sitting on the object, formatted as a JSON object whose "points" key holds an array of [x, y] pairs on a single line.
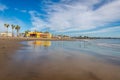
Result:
{"points": [[99, 18]]}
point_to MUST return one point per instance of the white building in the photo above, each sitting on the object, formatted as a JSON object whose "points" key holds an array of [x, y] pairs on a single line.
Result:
{"points": [[6, 34]]}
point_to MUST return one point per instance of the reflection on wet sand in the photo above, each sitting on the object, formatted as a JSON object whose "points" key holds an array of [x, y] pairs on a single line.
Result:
{"points": [[40, 43], [60, 61]]}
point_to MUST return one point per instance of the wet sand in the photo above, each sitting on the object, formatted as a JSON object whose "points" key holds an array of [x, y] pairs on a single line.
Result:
{"points": [[7, 48], [52, 66]]}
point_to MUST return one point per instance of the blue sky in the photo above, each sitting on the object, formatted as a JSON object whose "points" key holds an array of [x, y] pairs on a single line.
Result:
{"points": [[70, 17]]}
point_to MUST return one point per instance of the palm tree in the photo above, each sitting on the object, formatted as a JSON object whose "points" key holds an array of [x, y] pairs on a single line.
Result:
{"points": [[17, 29], [13, 27], [7, 26]]}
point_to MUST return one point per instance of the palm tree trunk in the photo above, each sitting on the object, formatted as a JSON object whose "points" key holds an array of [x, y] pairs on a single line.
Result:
{"points": [[7, 32], [12, 33], [17, 33]]}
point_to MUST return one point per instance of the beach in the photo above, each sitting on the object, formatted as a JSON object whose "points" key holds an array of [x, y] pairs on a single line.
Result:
{"points": [[28, 61], [59, 39], [7, 48]]}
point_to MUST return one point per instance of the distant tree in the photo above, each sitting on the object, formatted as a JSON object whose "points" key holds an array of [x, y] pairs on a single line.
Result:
{"points": [[7, 26], [86, 37], [65, 36], [46, 32], [40, 31], [17, 29], [13, 27], [26, 32], [60, 35]]}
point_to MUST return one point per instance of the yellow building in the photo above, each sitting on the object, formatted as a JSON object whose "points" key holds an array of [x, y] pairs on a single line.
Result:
{"points": [[39, 35]]}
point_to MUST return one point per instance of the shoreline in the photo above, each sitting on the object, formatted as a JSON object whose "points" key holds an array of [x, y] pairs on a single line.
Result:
{"points": [[29, 39], [42, 39], [12, 44], [9, 45]]}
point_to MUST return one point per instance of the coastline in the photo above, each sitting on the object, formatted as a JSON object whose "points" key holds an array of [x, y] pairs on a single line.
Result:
{"points": [[9, 45], [29, 39]]}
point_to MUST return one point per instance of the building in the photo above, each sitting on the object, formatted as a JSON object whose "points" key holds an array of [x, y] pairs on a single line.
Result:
{"points": [[6, 34], [61, 37], [39, 35]]}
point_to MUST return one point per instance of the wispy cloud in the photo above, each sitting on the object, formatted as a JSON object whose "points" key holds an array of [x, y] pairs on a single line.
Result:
{"points": [[106, 30], [3, 7], [69, 15], [23, 10], [37, 22]]}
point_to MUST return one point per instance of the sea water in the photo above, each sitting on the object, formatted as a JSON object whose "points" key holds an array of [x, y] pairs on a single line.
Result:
{"points": [[107, 49]]}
